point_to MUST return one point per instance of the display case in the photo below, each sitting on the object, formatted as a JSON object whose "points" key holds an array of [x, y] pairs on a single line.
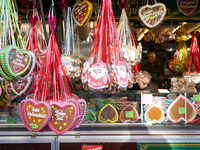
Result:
{"points": [[152, 125]]}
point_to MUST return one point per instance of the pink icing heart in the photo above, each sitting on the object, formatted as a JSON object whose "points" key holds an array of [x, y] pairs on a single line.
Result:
{"points": [[33, 20], [52, 21], [63, 3], [16, 68]]}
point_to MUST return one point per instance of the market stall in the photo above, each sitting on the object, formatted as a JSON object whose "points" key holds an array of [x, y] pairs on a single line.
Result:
{"points": [[99, 74]]}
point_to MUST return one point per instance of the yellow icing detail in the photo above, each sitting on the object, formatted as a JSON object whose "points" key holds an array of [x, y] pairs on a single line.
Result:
{"points": [[39, 120], [41, 108], [33, 120], [27, 109], [56, 123], [85, 8], [76, 17], [29, 117], [66, 116], [89, 11], [72, 108], [84, 13], [29, 106], [52, 117], [44, 111], [60, 128], [64, 124], [75, 12], [52, 106]]}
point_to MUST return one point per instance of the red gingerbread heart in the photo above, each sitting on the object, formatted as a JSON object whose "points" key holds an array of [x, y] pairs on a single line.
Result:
{"points": [[33, 20], [52, 21], [187, 7]]}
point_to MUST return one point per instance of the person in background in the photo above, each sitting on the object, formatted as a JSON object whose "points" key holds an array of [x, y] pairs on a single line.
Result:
{"points": [[144, 82], [155, 69]]}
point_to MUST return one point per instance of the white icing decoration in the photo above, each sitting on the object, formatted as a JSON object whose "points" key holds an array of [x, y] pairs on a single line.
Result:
{"points": [[59, 114]]}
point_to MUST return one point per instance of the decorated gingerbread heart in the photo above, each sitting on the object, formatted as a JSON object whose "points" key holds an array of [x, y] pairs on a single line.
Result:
{"points": [[187, 7], [81, 12], [152, 15], [9, 92], [63, 3], [40, 54], [52, 21], [154, 114], [33, 20], [90, 117], [63, 116], [171, 65], [69, 64], [178, 67], [108, 114], [14, 61], [83, 112], [37, 114], [21, 110], [176, 110], [23, 86], [128, 114]]}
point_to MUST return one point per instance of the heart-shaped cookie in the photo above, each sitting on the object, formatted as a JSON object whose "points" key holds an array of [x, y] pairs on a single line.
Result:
{"points": [[40, 54], [171, 65], [128, 114], [31, 67], [90, 117], [69, 64], [22, 86], [108, 114], [154, 114], [176, 110], [33, 20], [14, 61], [52, 21], [79, 111], [37, 114], [63, 3], [83, 112], [9, 92], [63, 116], [187, 7], [21, 110], [152, 15], [82, 12], [178, 67]]}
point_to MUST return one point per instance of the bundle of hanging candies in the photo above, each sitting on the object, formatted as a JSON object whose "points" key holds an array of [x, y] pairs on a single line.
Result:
{"points": [[105, 70], [52, 106]]}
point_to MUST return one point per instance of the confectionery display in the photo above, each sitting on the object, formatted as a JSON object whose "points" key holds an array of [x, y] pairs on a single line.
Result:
{"points": [[93, 75]]}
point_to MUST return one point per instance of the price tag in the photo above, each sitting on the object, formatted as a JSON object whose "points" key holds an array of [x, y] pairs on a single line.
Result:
{"points": [[10, 120], [147, 98], [181, 110], [129, 114], [92, 147], [88, 116], [196, 97]]}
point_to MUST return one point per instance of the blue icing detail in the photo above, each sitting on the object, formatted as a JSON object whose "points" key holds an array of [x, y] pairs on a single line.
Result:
{"points": [[12, 53], [66, 63], [11, 58], [78, 65]]}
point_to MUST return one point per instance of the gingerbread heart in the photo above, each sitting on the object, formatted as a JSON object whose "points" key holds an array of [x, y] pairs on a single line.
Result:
{"points": [[14, 61], [33, 20], [9, 92], [90, 117], [79, 111], [178, 67], [152, 15], [154, 114], [108, 114], [63, 117], [37, 114], [171, 65], [52, 21], [40, 54], [82, 12], [123, 4], [187, 7], [22, 86], [21, 110], [30, 69], [176, 110], [83, 112], [69, 64], [128, 114], [62, 4]]}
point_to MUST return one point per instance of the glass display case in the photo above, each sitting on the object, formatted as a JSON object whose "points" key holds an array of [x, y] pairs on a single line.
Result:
{"points": [[129, 118]]}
